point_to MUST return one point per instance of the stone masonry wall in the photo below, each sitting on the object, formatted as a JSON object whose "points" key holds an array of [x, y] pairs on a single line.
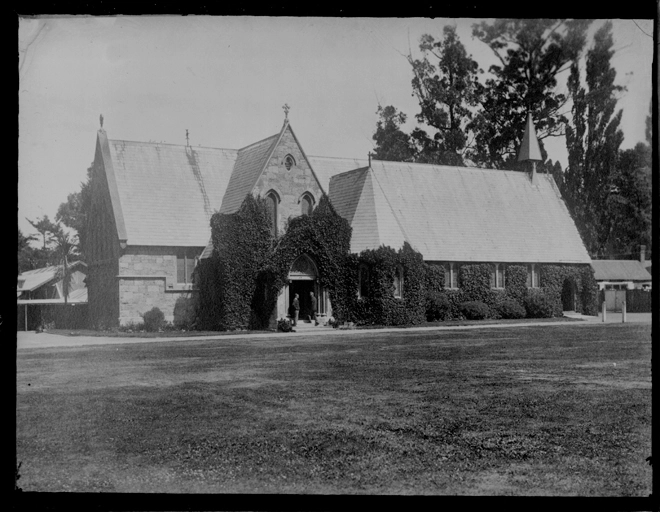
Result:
{"points": [[147, 279], [290, 184]]}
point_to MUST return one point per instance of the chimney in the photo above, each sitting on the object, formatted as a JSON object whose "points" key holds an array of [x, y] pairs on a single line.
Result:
{"points": [[529, 149], [642, 253]]}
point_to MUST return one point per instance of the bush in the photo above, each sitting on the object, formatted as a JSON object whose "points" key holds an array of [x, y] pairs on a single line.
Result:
{"points": [[438, 307], [511, 308], [284, 325], [539, 305], [153, 319], [475, 310]]}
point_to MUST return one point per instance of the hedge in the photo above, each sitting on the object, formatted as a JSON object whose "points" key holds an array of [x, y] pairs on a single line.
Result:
{"points": [[638, 301]]}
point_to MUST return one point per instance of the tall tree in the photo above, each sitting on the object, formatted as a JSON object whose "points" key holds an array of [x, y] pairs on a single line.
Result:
{"points": [[75, 211], [392, 143], [24, 251], [531, 54], [448, 90], [630, 207], [44, 226], [593, 139]]}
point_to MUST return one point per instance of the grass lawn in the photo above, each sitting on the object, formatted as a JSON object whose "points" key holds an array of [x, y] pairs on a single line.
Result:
{"points": [[560, 410], [182, 333]]}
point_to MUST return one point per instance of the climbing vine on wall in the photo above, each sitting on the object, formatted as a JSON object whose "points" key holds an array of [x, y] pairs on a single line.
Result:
{"points": [[381, 306], [242, 244]]}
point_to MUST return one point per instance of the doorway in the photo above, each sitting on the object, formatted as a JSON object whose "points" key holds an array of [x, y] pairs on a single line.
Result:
{"points": [[568, 299], [302, 288]]}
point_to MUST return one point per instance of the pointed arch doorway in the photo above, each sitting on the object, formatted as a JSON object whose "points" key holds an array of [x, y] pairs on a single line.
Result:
{"points": [[303, 279]]}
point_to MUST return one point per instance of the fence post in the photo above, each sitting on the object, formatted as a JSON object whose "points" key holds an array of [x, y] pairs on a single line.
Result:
{"points": [[623, 311], [604, 310]]}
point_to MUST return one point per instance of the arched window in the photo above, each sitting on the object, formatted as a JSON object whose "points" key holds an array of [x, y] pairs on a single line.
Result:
{"points": [[273, 201], [289, 162], [398, 283], [306, 204]]}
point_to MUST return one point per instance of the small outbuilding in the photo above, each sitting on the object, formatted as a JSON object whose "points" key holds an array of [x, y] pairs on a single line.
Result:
{"points": [[40, 298]]}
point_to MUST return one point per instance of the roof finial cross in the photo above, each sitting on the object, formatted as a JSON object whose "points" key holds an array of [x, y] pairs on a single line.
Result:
{"points": [[286, 109]]}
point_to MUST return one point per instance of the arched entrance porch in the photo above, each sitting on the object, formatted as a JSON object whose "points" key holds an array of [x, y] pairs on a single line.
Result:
{"points": [[303, 279]]}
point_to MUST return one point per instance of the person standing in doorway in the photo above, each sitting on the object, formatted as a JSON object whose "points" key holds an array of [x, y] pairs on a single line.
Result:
{"points": [[296, 309], [316, 322]]}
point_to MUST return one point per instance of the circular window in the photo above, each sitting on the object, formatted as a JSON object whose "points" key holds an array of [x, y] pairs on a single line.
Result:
{"points": [[289, 162]]}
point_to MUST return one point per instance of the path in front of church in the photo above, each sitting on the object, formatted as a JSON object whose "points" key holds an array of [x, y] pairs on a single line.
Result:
{"points": [[31, 339]]}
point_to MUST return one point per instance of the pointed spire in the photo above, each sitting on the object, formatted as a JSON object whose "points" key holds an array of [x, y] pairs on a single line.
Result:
{"points": [[529, 149]]}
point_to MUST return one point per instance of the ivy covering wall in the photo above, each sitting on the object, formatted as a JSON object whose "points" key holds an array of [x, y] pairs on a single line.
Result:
{"points": [[381, 306], [240, 283]]}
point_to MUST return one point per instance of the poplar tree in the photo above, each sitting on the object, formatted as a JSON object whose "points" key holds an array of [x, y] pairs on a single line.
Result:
{"points": [[593, 138]]}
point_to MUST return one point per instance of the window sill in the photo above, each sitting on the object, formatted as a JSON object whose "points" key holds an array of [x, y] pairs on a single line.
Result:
{"points": [[179, 287]]}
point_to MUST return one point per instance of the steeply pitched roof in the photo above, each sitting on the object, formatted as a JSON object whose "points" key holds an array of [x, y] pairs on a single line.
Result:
{"points": [[466, 214], [167, 193], [360, 199], [326, 167], [620, 270], [529, 148], [249, 165]]}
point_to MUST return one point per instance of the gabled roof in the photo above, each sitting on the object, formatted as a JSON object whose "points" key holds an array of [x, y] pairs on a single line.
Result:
{"points": [[620, 270], [465, 214], [249, 165], [32, 279], [165, 194]]}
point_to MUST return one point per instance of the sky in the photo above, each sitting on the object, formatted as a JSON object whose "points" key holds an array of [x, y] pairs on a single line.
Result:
{"points": [[225, 80]]}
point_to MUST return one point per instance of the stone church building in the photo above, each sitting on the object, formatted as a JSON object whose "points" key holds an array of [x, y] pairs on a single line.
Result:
{"points": [[151, 206]]}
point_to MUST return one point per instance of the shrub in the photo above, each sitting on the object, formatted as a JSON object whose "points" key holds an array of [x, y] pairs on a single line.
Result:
{"points": [[511, 308], [438, 307], [284, 325], [475, 310], [539, 305], [153, 319]]}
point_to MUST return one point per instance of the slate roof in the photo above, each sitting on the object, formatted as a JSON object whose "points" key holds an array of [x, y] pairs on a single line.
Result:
{"points": [[620, 270], [461, 214], [167, 193], [250, 162], [326, 167]]}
